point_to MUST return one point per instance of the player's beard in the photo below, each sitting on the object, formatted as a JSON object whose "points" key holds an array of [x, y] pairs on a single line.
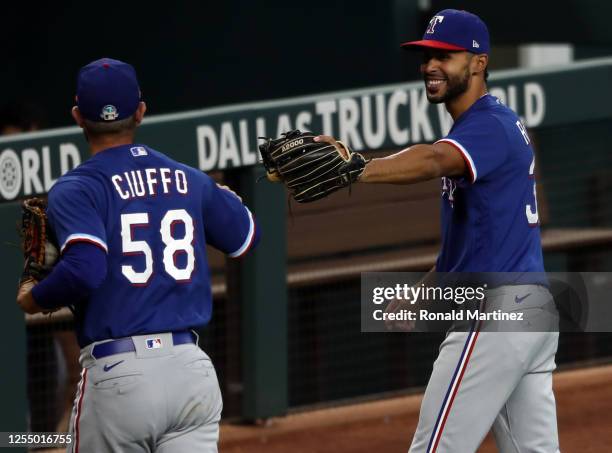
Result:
{"points": [[455, 87]]}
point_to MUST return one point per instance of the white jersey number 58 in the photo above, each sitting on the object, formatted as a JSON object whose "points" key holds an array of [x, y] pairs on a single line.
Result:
{"points": [[172, 245]]}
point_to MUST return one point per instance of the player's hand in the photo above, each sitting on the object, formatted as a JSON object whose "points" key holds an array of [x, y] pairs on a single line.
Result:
{"points": [[25, 300], [396, 306], [331, 140], [229, 190]]}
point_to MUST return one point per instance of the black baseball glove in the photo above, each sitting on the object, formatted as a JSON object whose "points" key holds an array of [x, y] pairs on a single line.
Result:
{"points": [[310, 170]]}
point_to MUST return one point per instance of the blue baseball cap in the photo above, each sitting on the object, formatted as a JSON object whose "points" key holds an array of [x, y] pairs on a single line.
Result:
{"points": [[451, 29], [107, 90]]}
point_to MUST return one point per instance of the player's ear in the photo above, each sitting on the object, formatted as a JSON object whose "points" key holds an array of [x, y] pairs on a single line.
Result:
{"points": [[76, 114], [140, 112], [479, 63]]}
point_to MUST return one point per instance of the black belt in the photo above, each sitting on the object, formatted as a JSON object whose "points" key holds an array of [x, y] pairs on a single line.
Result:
{"points": [[127, 345]]}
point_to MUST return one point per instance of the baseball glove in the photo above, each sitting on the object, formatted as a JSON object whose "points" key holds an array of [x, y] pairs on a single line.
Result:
{"points": [[310, 170], [37, 243]]}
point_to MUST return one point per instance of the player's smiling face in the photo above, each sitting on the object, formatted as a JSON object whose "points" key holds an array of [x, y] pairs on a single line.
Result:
{"points": [[446, 74]]}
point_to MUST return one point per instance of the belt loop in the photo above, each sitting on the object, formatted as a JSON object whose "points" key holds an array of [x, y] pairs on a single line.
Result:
{"points": [[92, 346], [197, 337], [86, 355]]}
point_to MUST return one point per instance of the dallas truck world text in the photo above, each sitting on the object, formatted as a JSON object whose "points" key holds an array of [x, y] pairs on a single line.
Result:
{"points": [[412, 294]]}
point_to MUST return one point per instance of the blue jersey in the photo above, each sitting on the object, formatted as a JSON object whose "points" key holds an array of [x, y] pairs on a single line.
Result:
{"points": [[153, 216], [490, 219]]}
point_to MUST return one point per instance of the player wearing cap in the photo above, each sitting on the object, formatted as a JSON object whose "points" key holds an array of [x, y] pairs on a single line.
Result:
{"points": [[133, 226], [489, 224]]}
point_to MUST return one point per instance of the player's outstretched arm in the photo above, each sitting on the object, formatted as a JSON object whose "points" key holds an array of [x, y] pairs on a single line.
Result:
{"points": [[411, 165], [415, 164]]}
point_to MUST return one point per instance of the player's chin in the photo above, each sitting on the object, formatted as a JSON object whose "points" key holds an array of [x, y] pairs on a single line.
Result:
{"points": [[437, 98], [436, 94]]}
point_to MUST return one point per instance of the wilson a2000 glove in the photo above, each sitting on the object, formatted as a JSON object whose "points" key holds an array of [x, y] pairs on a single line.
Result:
{"points": [[310, 170]]}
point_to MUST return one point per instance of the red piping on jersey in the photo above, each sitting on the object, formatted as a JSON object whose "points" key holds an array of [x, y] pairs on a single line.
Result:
{"points": [[72, 241], [251, 241], [465, 158]]}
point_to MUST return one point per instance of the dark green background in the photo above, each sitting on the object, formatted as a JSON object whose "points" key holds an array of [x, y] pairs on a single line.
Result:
{"points": [[193, 54], [197, 54]]}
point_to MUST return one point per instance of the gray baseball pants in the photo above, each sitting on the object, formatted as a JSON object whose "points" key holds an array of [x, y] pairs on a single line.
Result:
{"points": [[164, 400], [485, 379]]}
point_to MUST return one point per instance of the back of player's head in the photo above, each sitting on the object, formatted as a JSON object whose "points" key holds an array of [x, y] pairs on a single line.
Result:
{"points": [[107, 91]]}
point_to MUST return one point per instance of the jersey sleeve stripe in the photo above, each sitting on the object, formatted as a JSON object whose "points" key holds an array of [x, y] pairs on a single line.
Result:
{"points": [[465, 154], [249, 238], [80, 237]]}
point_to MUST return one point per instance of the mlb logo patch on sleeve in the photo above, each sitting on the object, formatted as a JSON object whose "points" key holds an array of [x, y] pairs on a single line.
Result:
{"points": [[138, 151], [153, 343]]}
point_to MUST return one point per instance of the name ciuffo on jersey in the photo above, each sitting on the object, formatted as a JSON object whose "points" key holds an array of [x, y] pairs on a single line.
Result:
{"points": [[150, 181]]}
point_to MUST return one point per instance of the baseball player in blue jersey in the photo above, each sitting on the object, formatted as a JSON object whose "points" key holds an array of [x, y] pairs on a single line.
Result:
{"points": [[489, 224], [133, 225]]}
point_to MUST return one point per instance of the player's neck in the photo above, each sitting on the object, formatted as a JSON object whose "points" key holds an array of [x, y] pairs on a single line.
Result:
{"points": [[460, 104], [100, 143]]}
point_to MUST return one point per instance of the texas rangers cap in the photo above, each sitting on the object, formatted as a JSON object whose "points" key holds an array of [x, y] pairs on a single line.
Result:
{"points": [[451, 29], [107, 90]]}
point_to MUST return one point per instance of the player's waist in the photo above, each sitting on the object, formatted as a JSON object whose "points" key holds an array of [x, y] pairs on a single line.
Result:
{"points": [[496, 273], [141, 343], [519, 297]]}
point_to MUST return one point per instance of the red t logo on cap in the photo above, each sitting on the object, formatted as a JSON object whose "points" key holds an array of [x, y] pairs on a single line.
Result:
{"points": [[432, 23]]}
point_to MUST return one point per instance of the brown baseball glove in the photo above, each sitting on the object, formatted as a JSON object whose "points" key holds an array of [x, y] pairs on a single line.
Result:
{"points": [[39, 248]]}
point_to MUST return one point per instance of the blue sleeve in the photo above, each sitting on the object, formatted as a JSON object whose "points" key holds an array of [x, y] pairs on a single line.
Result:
{"points": [[81, 270], [482, 143], [74, 215], [229, 225]]}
